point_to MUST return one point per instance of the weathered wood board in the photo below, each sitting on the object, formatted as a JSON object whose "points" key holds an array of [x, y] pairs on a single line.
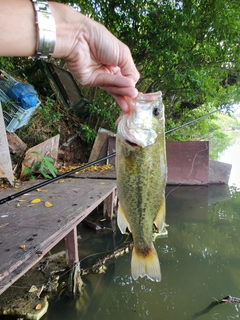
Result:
{"points": [[39, 228]]}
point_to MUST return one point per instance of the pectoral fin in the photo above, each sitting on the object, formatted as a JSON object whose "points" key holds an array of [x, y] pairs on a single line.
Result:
{"points": [[121, 220], [160, 217]]}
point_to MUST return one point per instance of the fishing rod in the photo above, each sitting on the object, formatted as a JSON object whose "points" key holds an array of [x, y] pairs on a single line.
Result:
{"points": [[66, 174], [61, 176], [195, 120]]}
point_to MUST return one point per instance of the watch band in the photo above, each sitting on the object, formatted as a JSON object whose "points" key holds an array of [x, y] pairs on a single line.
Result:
{"points": [[46, 30]]}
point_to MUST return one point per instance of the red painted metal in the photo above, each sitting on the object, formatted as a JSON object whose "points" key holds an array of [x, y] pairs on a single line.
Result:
{"points": [[187, 162]]}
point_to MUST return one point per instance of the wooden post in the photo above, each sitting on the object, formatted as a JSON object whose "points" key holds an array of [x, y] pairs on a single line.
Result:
{"points": [[5, 159], [71, 245], [109, 204]]}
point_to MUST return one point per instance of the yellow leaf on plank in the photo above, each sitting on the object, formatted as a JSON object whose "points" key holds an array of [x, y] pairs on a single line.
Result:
{"points": [[18, 204], [42, 190], [52, 197], [23, 247], [101, 182], [48, 204], [36, 200], [21, 200]]}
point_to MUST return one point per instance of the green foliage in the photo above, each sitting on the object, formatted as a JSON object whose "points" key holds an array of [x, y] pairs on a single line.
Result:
{"points": [[227, 122], [189, 50], [44, 166], [6, 63], [44, 124], [103, 113], [87, 134]]}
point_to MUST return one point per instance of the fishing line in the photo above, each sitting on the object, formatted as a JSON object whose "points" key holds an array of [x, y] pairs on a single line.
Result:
{"points": [[195, 120], [66, 174], [193, 162]]}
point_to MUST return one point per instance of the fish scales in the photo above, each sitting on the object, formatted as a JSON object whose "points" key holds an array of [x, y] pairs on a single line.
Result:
{"points": [[141, 179]]}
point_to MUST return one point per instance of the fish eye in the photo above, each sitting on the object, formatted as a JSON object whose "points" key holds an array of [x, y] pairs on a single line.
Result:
{"points": [[156, 111]]}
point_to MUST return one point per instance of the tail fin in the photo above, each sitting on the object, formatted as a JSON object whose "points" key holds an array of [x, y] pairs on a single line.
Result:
{"points": [[146, 266]]}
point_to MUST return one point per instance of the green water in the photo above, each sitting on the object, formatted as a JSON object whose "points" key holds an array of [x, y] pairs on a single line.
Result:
{"points": [[200, 261]]}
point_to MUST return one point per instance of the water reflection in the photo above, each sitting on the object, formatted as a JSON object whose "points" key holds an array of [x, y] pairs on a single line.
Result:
{"points": [[231, 155], [200, 261]]}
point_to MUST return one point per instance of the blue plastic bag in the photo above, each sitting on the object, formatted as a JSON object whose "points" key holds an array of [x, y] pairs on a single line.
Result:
{"points": [[24, 95]]}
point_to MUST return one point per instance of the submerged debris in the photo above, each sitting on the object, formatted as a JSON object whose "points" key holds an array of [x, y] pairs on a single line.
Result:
{"points": [[28, 297], [100, 266]]}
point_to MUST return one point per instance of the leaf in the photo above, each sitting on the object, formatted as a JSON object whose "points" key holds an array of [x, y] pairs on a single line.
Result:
{"points": [[48, 159], [21, 200], [101, 182], [26, 171], [33, 289], [42, 190], [48, 204], [37, 153], [38, 306], [46, 176], [23, 247], [36, 200]]}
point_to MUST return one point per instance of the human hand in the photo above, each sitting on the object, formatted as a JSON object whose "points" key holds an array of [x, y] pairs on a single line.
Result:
{"points": [[97, 58]]}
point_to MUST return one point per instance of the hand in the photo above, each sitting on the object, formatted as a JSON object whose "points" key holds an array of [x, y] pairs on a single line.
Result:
{"points": [[93, 54], [97, 58]]}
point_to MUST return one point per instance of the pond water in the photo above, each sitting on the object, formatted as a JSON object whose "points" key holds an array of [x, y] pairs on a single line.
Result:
{"points": [[200, 261]]}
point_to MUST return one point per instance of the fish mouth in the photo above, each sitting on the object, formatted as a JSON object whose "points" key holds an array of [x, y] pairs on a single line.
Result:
{"points": [[132, 144]]}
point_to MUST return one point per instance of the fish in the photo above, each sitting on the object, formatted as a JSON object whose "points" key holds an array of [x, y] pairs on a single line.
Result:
{"points": [[141, 172]]}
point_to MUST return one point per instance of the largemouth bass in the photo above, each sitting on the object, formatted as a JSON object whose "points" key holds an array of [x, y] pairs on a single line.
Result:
{"points": [[141, 179]]}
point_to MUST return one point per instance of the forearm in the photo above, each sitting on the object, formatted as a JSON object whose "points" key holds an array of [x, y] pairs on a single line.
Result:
{"points": [[93, 54], [17, 34], [18, 29]]}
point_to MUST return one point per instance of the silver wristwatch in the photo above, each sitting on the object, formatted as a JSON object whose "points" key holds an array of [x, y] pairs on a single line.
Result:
{"points": [[46, 30]]}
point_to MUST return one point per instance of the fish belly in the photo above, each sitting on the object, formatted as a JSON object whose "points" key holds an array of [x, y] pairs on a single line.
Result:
{"points": [[141, 180]]}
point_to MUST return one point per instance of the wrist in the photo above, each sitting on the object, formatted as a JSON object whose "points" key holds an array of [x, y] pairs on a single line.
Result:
{"points": [[68, 22]]}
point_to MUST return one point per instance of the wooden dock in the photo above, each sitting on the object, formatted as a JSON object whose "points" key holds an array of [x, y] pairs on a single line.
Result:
{"points": [[29, 230]]}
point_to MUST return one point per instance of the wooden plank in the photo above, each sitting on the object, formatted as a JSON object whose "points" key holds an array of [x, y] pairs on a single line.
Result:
{"points": [[111, 149], [100, 147], [40, 228], [66, 84]]}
